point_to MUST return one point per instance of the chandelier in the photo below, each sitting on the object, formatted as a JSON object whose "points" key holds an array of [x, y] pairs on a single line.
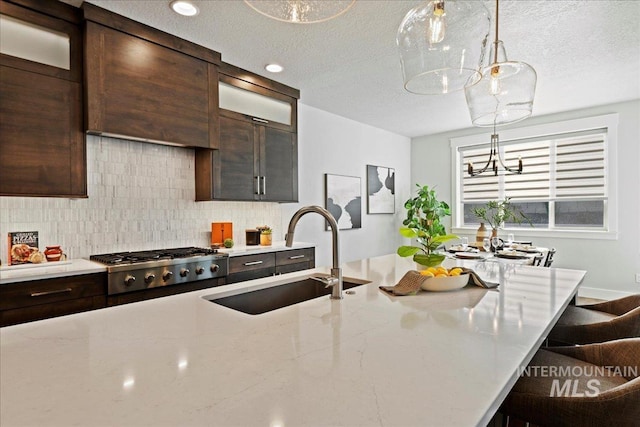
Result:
{"points": [[301, 11], [504, 92], [495, 159], [441, 45]]}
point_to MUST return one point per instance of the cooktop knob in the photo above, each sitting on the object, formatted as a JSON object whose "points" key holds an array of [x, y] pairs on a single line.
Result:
{"points": [[129, 279], [184, 272], [167, 275], [214, 268], [199, 270], [149, 277]]}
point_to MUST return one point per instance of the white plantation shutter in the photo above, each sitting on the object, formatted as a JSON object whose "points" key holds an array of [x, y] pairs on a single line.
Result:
{"points": [[481, 187], [534, 181], [559, 167], [569, 167], [568, 182], [581, 167]]}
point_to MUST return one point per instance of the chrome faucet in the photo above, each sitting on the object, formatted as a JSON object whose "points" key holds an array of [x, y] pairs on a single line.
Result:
{"points": [[335, 281]]}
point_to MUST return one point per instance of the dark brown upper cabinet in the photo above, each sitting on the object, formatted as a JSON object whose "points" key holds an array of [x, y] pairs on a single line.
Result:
{"points": [[42, 146], [142, 83], [257, 159]]}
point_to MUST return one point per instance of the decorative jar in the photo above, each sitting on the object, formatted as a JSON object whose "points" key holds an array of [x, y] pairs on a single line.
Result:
{"points": [[53, 253]]}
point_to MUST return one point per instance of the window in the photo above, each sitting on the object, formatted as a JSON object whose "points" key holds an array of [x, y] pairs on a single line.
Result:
{"points": [[567, 184]]}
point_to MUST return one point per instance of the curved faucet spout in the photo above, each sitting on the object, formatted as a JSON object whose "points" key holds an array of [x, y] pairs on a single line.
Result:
{"points": [[336, 272]]}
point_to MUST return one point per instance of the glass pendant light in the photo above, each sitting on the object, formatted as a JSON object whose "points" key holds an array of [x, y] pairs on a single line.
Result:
{"points": [[441, 44], [504, 92], [301, 11]]}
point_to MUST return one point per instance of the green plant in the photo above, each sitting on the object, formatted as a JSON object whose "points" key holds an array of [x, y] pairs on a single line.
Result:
{"points": [[423, 224], [264, 229], [228, 243], [497, 212]]}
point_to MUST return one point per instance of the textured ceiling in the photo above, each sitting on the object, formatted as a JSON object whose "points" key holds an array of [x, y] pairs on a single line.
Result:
{"points": [[586, 53]]}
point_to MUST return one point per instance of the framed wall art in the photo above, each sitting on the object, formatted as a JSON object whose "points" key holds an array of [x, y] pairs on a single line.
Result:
{"points": [[344, 200], [381, 197]]}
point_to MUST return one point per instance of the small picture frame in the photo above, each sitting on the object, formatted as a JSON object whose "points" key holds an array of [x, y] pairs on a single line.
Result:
{"points": [[381, 193], [343, 199]]}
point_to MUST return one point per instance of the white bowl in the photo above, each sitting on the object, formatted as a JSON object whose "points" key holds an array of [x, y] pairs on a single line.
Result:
{"points": [[450, 283]]}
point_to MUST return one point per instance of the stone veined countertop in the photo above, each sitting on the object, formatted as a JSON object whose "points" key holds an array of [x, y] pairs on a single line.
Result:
{"points": [[49, 270], [445, 358]]}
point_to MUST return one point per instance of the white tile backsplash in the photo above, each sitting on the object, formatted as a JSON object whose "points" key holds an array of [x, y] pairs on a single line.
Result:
{"points": [[141, 196]]}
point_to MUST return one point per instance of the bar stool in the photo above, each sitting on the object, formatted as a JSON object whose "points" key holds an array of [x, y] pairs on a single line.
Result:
{"points": [[590, 385], [606, 321]]}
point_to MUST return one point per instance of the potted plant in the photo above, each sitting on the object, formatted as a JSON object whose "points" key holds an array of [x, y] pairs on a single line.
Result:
{"points": [[497, 212], [423, 224], [266, 234]]}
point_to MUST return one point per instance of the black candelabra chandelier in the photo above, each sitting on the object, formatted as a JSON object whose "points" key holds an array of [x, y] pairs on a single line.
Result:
{"points": [[495, 158]]}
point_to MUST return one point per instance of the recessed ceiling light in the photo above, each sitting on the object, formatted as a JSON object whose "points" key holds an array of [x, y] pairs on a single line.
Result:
{"points": [[185, 8], [274, 68]]}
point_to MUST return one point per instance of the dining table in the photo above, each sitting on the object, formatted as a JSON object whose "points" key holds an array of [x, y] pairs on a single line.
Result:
{"points": [[518, 254]]}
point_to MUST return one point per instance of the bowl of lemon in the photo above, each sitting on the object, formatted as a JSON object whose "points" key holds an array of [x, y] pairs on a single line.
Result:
{"points": [[442, 279]]}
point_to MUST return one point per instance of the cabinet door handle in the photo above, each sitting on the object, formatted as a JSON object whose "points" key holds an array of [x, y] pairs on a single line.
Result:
{"points": [[57, 291], [296, 257], [257, 179], [253, 263], [255, 119], [264, 185]]}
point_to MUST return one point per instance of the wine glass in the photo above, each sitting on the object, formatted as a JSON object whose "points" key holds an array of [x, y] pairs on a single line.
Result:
{"points": [[464, 242], [510, 238], [495, 243], [486, 244]]}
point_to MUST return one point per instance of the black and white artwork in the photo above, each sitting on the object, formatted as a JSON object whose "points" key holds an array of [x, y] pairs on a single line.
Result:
{"points": [[381, 197], [343, 200]]}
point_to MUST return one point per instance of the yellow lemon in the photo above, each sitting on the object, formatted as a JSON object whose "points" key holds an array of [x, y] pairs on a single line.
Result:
{"points": [[432, 270], [441, 270], [427, 273], [455, 271], [441, 275]]}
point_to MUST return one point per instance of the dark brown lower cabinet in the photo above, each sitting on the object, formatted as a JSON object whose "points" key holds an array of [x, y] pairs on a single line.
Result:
{"points": [[256, 266], [41, 299]]}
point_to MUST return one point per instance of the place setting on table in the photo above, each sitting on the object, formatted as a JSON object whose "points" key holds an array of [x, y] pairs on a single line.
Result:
{"points": [[464, 251], [491, 248]]}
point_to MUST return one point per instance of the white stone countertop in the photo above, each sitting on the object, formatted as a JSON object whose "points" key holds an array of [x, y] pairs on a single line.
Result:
{"points": [[257, 249], [48, 270], [433, 359]]}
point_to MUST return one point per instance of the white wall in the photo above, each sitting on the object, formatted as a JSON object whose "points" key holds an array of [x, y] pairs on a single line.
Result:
{"points": [[141, 196], [335, 145], [611, 264]]}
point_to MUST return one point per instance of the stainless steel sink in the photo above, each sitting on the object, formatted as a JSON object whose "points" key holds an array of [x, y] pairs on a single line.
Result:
{"points": [[269, 299]]}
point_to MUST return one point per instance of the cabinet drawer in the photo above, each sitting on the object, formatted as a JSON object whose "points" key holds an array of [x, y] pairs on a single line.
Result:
{"points": [[243, 276], [295, 256], [290, 268], [251, 262], [27, 294], [46, 311]]}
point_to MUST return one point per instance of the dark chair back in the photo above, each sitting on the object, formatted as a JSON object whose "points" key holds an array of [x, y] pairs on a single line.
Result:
{"points": [[549, 260], [537, 260]]}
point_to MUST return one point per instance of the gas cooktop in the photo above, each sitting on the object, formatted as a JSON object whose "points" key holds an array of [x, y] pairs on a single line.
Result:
{"points": [[120, 258], [135, 271]]}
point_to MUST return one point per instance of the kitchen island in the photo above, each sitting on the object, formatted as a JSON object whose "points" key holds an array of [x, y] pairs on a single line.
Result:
{"points": [[446, 358]]}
